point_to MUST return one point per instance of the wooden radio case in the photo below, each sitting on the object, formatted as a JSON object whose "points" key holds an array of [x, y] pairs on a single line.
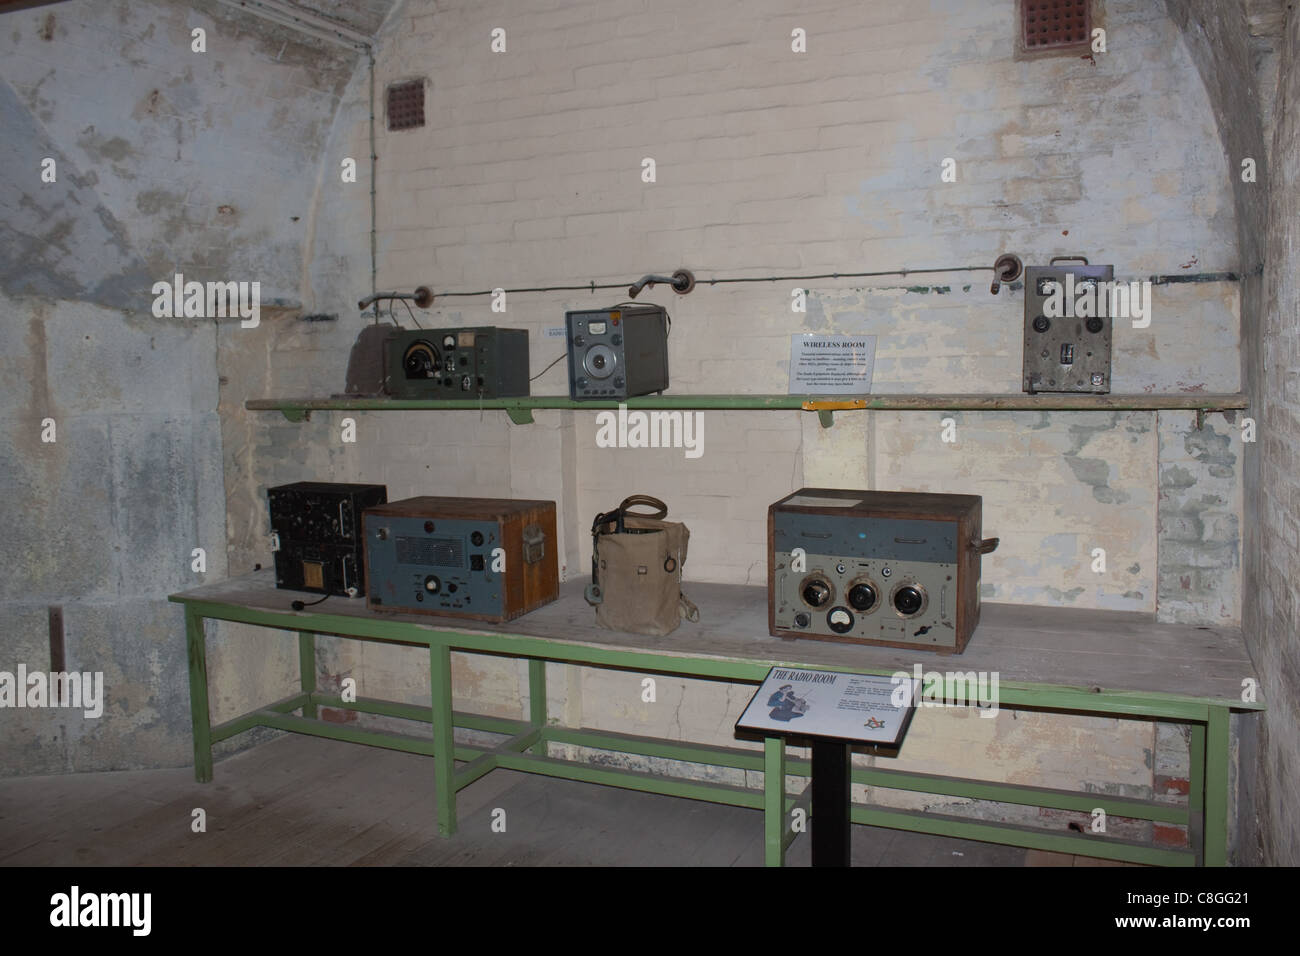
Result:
{"points": [[900, 569], [488, 559]]}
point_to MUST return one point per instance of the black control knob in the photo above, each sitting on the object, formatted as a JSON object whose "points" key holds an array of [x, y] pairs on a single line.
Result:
{"points": [[476, 538], [616, 339], [432, 584], [862, 597], [1042, 324], [816, 592], [908, 600], [802, 619], [579, 341], [1094, 325]]}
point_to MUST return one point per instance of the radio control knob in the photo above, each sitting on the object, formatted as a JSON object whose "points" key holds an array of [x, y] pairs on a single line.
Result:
{"points": [[579, 340], [618, 383], [908, 600], [802, 619], [862, 597], [581, 383], [432, 584], [816, 593], [616, 339]]}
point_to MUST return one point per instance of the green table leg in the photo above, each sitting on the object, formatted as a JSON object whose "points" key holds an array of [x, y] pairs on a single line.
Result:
{"points": [[1196, 789], [774, 823], [1216, 788], [444, 747], [537, 700], [307, 670], [198, 654]]}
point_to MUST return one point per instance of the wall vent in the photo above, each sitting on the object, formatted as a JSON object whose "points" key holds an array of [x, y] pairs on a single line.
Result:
{"points": [[406, 105], [1055, 24]]}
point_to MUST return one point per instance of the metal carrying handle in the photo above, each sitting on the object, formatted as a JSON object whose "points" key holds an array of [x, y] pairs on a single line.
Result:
{"points": [[1055, 259], [984, 545]]}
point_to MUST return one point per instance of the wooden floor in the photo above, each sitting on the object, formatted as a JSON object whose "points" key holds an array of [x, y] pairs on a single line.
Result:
{"points": [[299, 801]]}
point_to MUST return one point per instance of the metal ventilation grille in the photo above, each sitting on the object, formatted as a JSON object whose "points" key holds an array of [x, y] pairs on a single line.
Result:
{"points": [[1049, 24], [431, 552], [406, 105]]}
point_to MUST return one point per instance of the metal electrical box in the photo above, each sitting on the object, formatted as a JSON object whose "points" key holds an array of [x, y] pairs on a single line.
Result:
{"points": [[483, 362], [617, 353], [1067, 327]]}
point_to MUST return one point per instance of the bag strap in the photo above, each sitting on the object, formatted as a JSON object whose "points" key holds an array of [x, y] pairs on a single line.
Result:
{"points": [[661, 509]]}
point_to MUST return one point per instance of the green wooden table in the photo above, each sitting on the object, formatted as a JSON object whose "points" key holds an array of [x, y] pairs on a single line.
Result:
{"points": [[1056, 659]]}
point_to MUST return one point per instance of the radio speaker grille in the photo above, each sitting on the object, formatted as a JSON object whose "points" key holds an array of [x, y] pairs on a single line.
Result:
{"points": [[431, 552]]}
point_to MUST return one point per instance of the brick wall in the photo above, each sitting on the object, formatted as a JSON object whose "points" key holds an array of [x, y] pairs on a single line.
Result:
{"points": [[770, 162]]}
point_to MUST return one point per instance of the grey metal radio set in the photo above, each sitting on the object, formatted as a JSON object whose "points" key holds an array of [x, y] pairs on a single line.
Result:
{"points": [[1066, 352], [876, 567], [617, 353]]}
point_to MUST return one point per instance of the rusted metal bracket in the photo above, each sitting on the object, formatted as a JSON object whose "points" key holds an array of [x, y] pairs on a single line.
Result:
{"points": [[826, 408]]}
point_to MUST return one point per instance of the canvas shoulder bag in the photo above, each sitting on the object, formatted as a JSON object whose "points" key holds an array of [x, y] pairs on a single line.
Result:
{"points": [[636, 569]]}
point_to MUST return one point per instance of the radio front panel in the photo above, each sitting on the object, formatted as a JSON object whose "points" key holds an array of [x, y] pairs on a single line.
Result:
{"points": [[891, 579], [442, 566]]}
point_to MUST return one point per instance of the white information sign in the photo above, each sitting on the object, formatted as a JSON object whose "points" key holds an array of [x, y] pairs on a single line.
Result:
{"points": [[856, 707], [831, 364]]}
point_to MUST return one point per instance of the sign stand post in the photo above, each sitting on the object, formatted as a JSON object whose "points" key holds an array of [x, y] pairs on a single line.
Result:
{"points": [[834, 712], [831, 762]]}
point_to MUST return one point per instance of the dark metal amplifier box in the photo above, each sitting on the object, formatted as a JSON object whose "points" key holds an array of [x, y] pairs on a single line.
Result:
{"points": [[316, 535], [900, 569], [483, 362]]}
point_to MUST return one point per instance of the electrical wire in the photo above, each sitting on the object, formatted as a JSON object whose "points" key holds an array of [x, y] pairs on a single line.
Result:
{"points": [[412, 313], [392, 315], [593, 286], [563, 355]]}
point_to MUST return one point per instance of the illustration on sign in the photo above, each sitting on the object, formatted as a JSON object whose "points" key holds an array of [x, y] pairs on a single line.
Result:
{"points": [[785, 705]]}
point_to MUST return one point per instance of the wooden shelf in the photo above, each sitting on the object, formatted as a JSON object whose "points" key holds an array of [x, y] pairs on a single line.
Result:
{"points": [[520, 410]]}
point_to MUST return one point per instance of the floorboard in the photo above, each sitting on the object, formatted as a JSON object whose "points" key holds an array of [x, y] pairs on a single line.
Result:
{"points": [[304, 801]]}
